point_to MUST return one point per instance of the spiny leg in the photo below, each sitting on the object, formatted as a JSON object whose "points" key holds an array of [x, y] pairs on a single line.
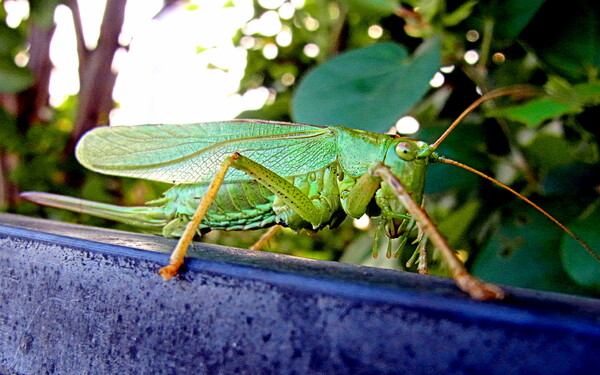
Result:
{"points": [[181, 249], [422, 248], [262, 241], [293, 197], [476, 288], [422, 239], [420, 254], [420, 257]]}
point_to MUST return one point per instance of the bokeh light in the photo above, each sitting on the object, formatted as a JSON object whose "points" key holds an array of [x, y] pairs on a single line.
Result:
{"points": [[311, 50], [471, 57], [407, 125], [375, 31]]}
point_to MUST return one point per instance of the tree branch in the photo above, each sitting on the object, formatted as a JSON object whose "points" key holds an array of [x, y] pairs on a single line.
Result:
{"points": [[32, 102], [96, 76], [82, 51]]}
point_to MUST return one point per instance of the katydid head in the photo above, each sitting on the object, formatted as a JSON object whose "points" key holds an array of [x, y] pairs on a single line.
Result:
{"points": [[407, 160]]}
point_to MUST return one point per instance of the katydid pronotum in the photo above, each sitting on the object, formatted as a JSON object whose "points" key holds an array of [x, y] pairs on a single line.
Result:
{"points": [[251, 174]]}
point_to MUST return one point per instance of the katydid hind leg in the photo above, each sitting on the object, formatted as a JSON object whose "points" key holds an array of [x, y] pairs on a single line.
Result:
{"points": [[290, 194]]}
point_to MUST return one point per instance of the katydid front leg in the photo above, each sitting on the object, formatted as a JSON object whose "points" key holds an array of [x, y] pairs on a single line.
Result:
{"points": [[290, 194], [476, 288]]}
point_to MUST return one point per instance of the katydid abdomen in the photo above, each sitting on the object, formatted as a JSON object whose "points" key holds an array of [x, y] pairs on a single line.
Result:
{"points": [[241, 206], [248, 205]]}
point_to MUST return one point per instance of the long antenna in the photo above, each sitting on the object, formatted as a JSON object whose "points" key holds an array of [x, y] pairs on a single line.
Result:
{"points": [[518, 90], [442, 159]]}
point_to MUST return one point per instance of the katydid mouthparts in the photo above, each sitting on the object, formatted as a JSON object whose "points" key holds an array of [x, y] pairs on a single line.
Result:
{"points": [[252, 174]]}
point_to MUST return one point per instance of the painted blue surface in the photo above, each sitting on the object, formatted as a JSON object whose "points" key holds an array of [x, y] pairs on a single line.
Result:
{"points": [[80, 300]]}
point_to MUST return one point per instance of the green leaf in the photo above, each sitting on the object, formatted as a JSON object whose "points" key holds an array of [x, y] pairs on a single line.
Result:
{"points": [[459, 14], [503, 20], [383, 7], [10, 39], [577, 95], [14, 79], [562, 99], [590, 92], [512, 16], [524, 252], [579, 264], [457, 222], [565, 38], [548, 151], [535, 112], [368, 88], [582, 177]]}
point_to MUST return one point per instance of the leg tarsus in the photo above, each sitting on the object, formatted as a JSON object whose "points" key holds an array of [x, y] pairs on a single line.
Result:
{"points": [[478, 289], [169, 271], [422, 262], [262, 241]]}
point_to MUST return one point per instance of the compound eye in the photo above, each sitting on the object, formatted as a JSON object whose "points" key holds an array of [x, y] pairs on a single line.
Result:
{"points": [[405, 151]]}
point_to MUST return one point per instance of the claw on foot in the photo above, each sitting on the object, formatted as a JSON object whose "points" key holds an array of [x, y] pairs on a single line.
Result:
{"points": [[169, 271], [478, 289]]}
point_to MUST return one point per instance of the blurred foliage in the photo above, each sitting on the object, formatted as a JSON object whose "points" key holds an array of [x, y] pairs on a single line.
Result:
{"points": [[374, 64], [362, 82], [13, 78]]}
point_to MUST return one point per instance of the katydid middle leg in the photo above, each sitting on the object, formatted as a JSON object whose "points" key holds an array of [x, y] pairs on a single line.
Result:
{"points": [[262, 241], [293, 197]]}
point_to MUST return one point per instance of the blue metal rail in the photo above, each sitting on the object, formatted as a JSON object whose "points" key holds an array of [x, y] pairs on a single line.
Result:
{"points": [[81, 300]]}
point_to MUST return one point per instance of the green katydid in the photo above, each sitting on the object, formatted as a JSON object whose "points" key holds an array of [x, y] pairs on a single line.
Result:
{"points": [[251, 174]]}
